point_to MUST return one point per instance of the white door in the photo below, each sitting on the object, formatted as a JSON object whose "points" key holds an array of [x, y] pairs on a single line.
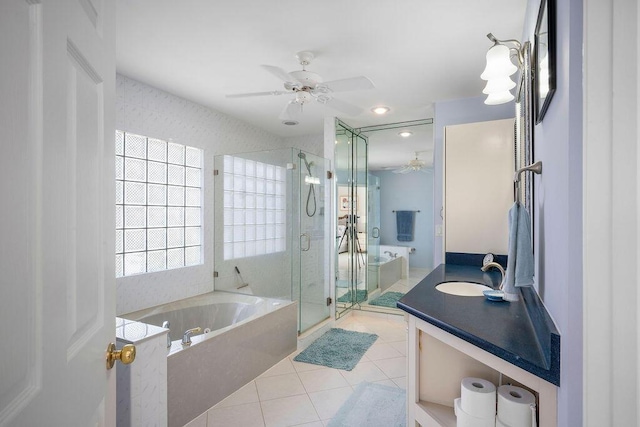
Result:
{"points": [[57, 292]]}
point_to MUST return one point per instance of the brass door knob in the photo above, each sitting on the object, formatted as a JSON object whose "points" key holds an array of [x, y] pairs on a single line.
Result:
{"points": [[126, 355]]}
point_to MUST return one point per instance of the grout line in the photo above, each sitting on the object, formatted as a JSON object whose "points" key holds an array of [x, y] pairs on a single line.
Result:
{"points": [[264, 420]]}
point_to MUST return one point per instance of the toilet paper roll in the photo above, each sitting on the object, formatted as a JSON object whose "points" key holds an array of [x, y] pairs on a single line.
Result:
{"points": [[478, 397], [464, 419], [514, 406]]}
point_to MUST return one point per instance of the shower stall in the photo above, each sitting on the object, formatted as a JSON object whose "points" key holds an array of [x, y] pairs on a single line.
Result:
{"points": [[269, 228], [365, 270]]}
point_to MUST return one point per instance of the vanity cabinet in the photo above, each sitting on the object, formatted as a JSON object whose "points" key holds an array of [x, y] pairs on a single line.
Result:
{"points": [[437, 362]]}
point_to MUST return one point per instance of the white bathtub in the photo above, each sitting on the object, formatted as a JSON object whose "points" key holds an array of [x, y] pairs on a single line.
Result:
{"points": [[215, 311], [401, 252], [248, 335], [387, 270]]}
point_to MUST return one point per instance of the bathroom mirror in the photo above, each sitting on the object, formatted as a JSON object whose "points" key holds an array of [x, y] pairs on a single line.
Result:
{"points": [[544, 57], [524, 130]]}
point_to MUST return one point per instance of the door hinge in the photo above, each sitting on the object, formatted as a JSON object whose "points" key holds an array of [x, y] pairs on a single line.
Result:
{"points": [[216, 172], [329, 174], [215, 274], [329, 301]]}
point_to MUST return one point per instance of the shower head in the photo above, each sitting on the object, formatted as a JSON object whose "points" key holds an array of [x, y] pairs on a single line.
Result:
{"points": [[303, 156]]}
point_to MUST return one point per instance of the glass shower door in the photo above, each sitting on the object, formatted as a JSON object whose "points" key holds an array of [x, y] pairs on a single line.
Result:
{"points": [[373, 231], [351, 211], [313, 274]]}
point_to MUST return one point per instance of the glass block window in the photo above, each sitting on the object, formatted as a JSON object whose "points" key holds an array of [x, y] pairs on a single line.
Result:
{"points": [[254, 208], [158, 205]]}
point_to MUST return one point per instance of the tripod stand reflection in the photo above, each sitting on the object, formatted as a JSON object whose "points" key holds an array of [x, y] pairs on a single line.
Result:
{"points": [[351, 234]]}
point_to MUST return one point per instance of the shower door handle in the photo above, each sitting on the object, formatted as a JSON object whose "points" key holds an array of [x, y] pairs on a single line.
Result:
{"points": [[375, 232], [308, 242]]}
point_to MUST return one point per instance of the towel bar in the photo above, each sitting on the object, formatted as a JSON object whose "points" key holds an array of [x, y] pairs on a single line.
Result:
{"points": [[535, 168], [413, 211]]}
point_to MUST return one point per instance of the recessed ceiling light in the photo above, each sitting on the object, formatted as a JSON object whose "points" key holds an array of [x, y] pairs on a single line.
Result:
{"points": [[405, 134], [380, 110]]}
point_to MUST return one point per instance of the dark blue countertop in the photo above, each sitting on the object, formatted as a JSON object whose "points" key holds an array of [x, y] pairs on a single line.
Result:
{"points": [[522, 332]]}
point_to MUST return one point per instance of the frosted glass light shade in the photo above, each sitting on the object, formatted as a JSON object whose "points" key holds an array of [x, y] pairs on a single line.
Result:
{"points": [[499, 98], [498, 63], [499, 85]]}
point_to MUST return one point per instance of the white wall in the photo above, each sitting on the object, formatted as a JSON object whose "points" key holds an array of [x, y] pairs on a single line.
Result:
{"points": [[148, 111], [611, 220], [478, 186], [455, 112]]}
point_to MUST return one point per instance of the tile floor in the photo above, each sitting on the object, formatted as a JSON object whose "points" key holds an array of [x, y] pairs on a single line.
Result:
{"points": [[301, 394]]}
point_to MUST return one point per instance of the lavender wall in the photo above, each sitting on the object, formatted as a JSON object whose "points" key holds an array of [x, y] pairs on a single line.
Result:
{"points": [[455, 112], [412, 191], [558, 202]]}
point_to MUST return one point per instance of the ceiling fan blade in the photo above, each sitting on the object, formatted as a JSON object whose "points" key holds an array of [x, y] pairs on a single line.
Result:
{"points": [[402, 170], [291, 111], [280, 73], [246, 95], [353, 83], [344, 107]]}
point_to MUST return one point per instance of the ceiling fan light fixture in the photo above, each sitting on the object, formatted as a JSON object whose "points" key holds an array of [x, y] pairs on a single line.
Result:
{"points": [[405, 133], [308, 87], [302, 97], [381, 110]]}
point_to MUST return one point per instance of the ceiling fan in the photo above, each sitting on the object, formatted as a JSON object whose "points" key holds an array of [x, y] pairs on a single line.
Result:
{"points": [[413, 165], [308, 86]]}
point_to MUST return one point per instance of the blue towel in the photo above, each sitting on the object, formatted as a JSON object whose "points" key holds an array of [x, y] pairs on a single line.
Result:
{"points": [[405, 221], [520, 264]]}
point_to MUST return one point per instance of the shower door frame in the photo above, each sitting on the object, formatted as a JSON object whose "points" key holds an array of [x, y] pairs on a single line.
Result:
{"points": [[355, 270]]}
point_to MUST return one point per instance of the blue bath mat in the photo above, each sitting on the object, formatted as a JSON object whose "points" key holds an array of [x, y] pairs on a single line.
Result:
{"points": [[361, 295], [372, 405], [388, 299], [337, 348]]}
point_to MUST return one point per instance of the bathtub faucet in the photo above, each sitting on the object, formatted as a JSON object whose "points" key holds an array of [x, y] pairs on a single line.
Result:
{"points": [[186, 337], [391, 254], [167, 325]]}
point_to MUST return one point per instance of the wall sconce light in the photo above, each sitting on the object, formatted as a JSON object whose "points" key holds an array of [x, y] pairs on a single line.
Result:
{"points": [[499, 70]]}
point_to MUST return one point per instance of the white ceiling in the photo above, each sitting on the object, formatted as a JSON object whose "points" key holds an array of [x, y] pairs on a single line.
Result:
{"points": [[388, 150], [416, 52]]}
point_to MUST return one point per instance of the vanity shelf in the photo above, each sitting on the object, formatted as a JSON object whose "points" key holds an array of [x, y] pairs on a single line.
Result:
{"points": [[429, 414], [430, 347]]}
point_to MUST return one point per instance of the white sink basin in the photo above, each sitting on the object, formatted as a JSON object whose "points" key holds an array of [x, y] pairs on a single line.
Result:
{"points": [[463, 289]]}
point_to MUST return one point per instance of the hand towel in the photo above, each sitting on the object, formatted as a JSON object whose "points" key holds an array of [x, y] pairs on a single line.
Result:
{"points": [[520, 262], [405, 221]]}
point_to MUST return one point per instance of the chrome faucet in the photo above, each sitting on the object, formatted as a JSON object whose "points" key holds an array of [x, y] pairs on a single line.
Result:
{"points": [[186, 337], [391, 254], [166, 325], [499, 267]]}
